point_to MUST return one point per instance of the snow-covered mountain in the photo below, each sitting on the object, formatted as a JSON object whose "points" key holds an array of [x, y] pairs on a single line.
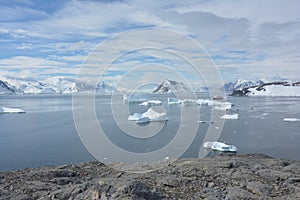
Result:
{"points": [[275, 89], [103, 87], [5, 88], [52, 85], [168, 86], [240, 84]]}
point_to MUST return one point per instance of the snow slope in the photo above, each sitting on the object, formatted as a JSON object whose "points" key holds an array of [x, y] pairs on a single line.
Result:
{"points": [[274, 90], [168, 86]]}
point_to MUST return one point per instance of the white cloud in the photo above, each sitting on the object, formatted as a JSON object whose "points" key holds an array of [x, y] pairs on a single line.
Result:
{"points": [[268, 31]]}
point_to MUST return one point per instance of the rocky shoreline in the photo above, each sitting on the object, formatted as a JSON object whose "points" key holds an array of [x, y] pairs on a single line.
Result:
{"points": [[225, 176]]}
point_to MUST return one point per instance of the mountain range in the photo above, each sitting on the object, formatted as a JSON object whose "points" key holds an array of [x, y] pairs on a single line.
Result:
{"points": [[65, 85], [53, 85]]}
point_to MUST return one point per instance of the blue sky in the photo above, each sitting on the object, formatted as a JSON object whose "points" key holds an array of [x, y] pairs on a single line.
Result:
{"points": [[245, 39]]}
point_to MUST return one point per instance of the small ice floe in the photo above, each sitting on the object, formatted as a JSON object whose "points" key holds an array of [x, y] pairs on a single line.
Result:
{"points": [[219, 146], [223, 106], [149, 116], [228, 116], [151, 103], [291, 119], [125, 98], [167, 158], [204, 122], [11, 110]]}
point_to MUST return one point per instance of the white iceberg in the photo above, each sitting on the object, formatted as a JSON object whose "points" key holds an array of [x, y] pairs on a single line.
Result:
{"points": [[173, 101], [228, 116], [149, 116], [151, 103], [202, 102], [125, 98], [224, 106], [291, 119], [189, 102], [220, 146], [11, 110]]}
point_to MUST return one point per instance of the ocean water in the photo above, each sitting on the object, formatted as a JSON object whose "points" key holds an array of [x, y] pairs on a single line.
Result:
{"points": [[46, 133]]}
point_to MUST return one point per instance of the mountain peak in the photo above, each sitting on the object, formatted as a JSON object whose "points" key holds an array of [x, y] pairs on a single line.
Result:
{"points": [[168, 86]]}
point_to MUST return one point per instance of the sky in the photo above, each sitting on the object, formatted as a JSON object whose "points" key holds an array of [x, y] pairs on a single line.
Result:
{"points": [[239, 39]]}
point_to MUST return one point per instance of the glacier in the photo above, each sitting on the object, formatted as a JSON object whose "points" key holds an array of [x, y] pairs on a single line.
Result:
{"points": [[275, 90]]}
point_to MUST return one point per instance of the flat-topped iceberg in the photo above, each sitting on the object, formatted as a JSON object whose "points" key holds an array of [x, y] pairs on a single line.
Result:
{"points": [[228, 116], [151, 103], [219, 146], [149, 116], [11, 110], [173, 101], [202, 102], [291, 119]]}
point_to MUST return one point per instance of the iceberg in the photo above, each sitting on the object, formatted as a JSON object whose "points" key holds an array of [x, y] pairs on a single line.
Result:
{"points": [[219, 146], [291, 119], [228, 116], [173, 101], [125, 99], [202, 102], [189, 102], [223, 106], [151, 103], [149, 116], [11, 110]]}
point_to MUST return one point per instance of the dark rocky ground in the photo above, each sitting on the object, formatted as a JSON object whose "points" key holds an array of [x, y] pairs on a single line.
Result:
{"points": [[220, 177]]}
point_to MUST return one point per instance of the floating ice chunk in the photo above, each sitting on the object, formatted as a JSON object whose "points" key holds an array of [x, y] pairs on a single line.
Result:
{"points": [[220, 146], [11, 110], [204, 122], [224, 106], [149, 116], [189, 102], [134, 117], [228, 116], [291, 119], [125, 99], [173, 101], [151, 103]]}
